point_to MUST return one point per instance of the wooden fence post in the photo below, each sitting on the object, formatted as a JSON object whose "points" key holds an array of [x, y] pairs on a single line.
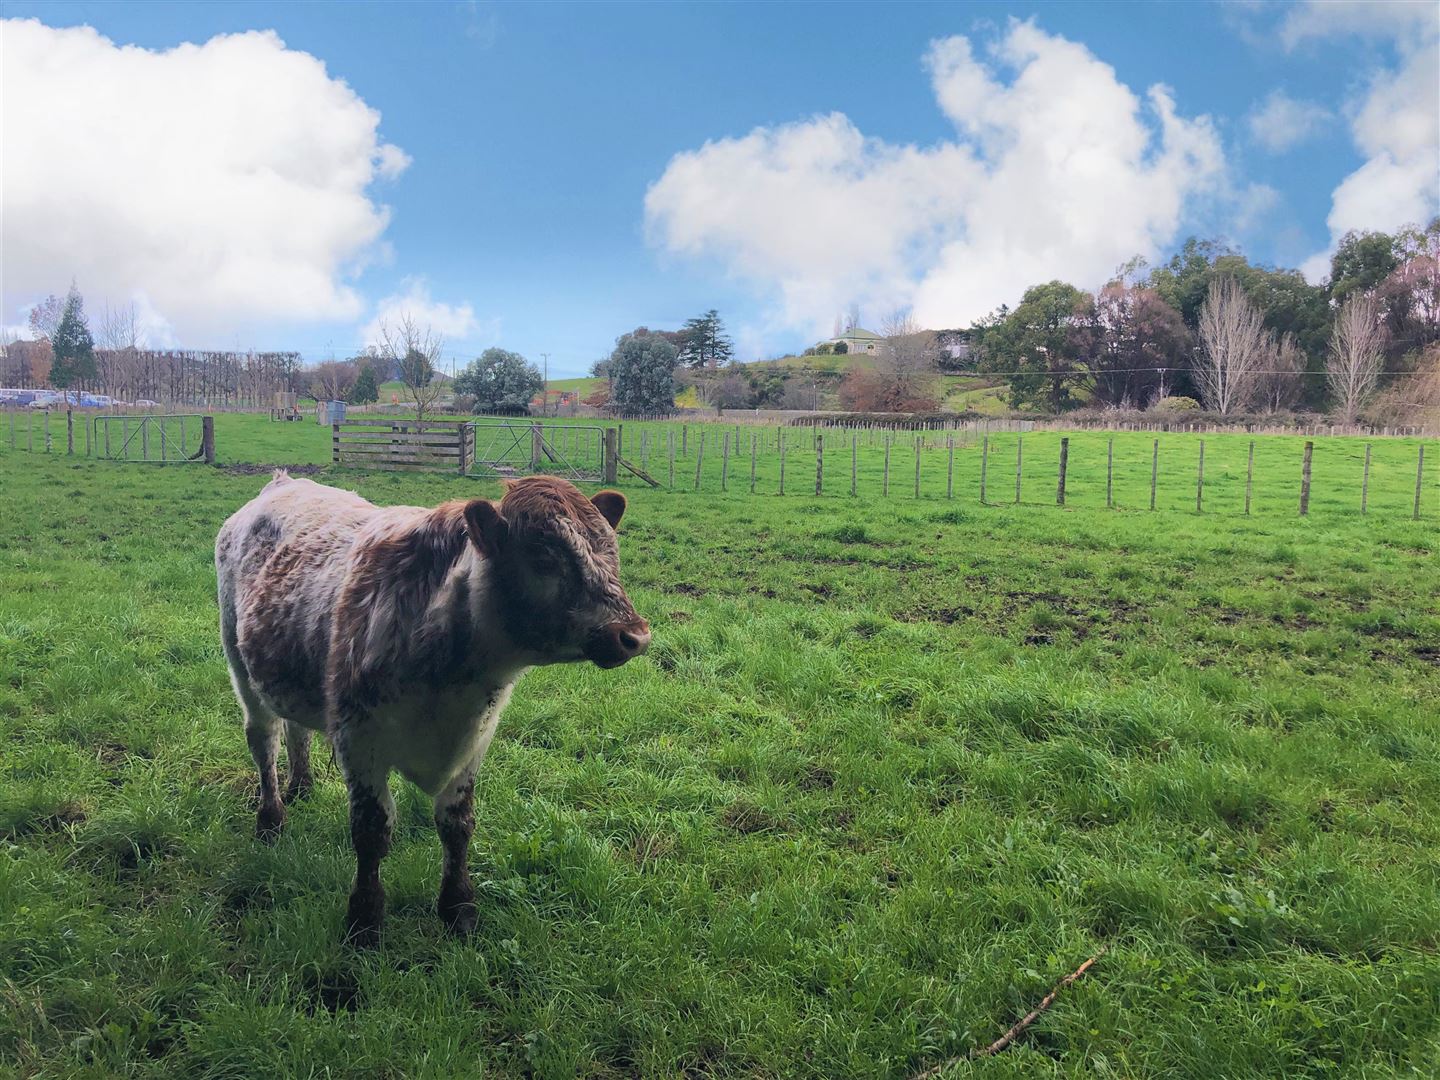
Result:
{"points": [[917, 465], [462, 445], [1305, 480], [725, 463], [1110, 474], [47, 431], [754, 437], [854, 461], [699, 457], [1364, 482], [671, 443], [782, 466], [611, 465], [885, 490], [69, 431], [1019, 458], [207, 439], [1064, 462], [1154, 470], [334, 444], [819, 462], [984, 465], [1249, 476], [950, 467], [684, 439], [1200, 481], [1419, 479]]}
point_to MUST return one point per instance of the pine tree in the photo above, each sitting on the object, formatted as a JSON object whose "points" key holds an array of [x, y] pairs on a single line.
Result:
{"points": [[366, 389], [704, 342], [73, 346]]}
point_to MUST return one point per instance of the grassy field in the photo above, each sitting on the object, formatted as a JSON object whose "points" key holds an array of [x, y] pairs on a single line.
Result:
{"points": [[891, 769]]}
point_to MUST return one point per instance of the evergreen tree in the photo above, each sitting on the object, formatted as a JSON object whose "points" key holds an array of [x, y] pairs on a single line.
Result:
{"points": [[366, 389], [642, 374], [500, 381], [73, 346], [703, 341]]}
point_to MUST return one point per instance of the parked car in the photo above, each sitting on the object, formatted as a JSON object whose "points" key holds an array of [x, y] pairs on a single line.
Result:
{"points": [[146, 403]]}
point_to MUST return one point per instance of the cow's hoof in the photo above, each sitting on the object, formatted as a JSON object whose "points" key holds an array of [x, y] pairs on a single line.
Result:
{"points": [[458, 916], [363, 919], [269, 822], [298, 789]]}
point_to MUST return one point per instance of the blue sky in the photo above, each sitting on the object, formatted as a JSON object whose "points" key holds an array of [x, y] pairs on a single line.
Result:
{"points": [[533, 133]]}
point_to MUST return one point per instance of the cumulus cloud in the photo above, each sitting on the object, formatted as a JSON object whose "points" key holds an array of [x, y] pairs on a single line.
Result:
{"points": [[217, 185], [454, 322], [1394, 120], [1281, 122], [1058, 170]]}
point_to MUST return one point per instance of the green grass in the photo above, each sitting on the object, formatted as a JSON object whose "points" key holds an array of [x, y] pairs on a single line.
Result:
{"points": [[891, 768]]}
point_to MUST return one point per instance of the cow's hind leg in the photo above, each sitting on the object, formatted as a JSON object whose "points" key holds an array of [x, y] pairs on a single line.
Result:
{"points": [[455, 821], [297, 749], [262, 733]]}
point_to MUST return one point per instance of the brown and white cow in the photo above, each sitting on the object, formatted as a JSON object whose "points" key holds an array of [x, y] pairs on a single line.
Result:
{"points": [[400, 632]]}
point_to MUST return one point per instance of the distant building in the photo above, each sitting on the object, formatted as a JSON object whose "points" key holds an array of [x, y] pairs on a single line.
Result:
{"points": [[858, 340], [954, 344]]}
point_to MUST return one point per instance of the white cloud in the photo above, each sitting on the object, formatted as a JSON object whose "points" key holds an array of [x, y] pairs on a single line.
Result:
{"points": [[454, 322], [225, 183], [1281, 122], [1394, 121], [1062, 171]]}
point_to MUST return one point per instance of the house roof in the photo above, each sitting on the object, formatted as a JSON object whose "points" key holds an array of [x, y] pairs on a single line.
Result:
{"points": [[859, 333]]}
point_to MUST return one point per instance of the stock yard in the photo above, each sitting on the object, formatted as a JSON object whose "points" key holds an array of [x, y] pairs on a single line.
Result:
{"points": [[892, 767]]}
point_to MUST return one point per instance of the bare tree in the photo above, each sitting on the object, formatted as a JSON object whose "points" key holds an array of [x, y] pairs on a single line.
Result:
{"points": [[117, 358], [334, 379], [1357, 354], [1278, 386], [1234, 347], [414, 352]]}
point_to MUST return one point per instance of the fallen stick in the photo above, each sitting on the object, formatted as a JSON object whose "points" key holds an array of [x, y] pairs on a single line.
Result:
{"points": [[1011, 1035]]}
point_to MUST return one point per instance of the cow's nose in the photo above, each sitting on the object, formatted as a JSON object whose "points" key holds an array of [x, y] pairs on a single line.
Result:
{"points": [[631, 639]]}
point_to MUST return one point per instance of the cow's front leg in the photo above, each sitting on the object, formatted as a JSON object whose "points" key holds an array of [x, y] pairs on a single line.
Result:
{"points": [[455, 821], [372, 817]]}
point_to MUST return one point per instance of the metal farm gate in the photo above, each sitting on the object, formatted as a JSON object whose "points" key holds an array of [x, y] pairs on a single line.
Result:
{"points": [[164, 439], [522, 447]]}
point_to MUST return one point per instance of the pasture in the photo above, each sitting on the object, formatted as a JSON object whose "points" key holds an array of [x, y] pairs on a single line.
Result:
{"points": [[891, 768]]}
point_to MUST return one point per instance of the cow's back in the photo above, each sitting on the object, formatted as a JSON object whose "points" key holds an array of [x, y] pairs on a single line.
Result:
{"points": [[281, 560]]}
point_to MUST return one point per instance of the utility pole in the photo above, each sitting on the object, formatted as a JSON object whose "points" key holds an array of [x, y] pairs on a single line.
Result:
{"points": [[545, 407]]}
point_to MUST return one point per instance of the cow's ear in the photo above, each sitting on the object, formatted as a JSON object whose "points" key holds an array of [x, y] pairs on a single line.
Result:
{"points": [[611, 505], [486, 528]]}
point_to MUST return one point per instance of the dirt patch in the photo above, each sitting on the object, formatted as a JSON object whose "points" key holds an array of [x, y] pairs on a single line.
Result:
{"points": [[745, 817], [822, 592], [335, 992], [684, 588], [1429, 653]]}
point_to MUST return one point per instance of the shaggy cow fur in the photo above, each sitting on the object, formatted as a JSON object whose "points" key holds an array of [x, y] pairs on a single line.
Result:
{"points": [[400, 633]]}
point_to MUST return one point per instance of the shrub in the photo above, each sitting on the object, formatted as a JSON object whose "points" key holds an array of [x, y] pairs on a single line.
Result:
{"points": [[841, 348], [1177, 404]]}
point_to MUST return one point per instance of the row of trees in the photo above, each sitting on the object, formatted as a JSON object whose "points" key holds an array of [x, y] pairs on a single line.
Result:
{"points": [[1211, 325]]}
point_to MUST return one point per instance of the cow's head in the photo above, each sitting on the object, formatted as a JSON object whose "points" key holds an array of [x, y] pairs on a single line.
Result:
{"points": [[557, 570]]}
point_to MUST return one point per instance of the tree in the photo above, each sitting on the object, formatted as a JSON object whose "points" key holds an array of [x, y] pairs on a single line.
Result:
{"points": [[642, 373], [74, 347], [500, 381], [840, 348], [367, 387], [1357, 354], [1362, 260], [45, 317], [1410, 295], [704, 343], [1279, 386], [1234, 347], [334, 380], [903, 376], [1132, 339], [117, 361], [1036, 346], [731, 392], [413, 352]]}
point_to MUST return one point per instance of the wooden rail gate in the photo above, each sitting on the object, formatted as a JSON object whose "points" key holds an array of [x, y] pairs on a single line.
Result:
{"points": [[494, 448]]}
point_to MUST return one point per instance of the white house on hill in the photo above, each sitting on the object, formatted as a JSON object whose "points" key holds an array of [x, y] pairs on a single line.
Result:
{"points": [[859, 340]]}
